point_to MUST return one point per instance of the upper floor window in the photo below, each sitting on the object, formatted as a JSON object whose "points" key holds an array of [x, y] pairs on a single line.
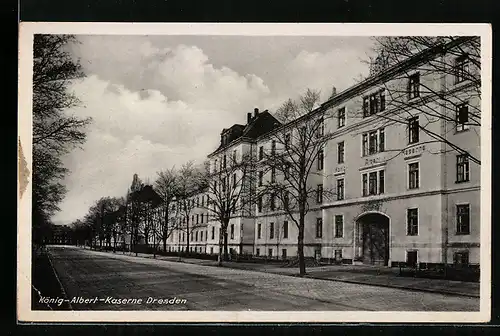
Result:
{"points": [[373, 185], [463, 219], [340, 152], [414, 86], [285, 229], [339, 226], [234, 156], [373, 142], [319, 194], [224, 165], [261, 152], [261, 177], [341, 117], [272, 202], [413, 175], [340, 189], [321, 159], [259, 231], [462, 117], [271, 230], [412, 222], [319, 227], [461, 68], [374, 103], [288, 138], [273, 175], [321, 127], [413, 130], [259, 204], [232, 231], [462, 168], [273, 147]]}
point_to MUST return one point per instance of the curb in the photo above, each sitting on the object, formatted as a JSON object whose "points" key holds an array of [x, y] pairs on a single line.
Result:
{"points": [[65, 296], [337, 280]]}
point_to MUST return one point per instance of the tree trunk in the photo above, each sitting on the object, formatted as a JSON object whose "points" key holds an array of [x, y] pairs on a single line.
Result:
{"points": [[300, 244], [226, 254], [187, 234], [221, 244]]}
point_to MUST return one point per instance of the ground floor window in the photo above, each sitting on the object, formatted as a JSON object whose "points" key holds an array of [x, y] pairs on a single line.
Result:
{"points": [[338, 255], [211, 250], [270, 252], [283, 253], [257, 252], [411, 258], [461, 258]]}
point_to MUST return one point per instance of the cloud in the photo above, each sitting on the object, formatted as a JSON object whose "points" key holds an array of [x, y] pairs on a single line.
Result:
{"points": [[156, 106]]}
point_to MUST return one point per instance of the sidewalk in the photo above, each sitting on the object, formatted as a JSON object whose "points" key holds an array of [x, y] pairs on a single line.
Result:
{"points": [[359, 274]]}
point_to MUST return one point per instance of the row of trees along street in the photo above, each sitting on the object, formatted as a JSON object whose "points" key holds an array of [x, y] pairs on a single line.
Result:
{"points": [[154, 211]]}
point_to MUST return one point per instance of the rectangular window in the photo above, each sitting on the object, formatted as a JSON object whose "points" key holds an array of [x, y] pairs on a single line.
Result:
{"points": [[382, 100], [234, 156], [261, 152], [411, 258], [412, 222], [461, 258], [203, 200], [271, 230], [196, 236], [259, 231], [339, 226], [270, 252], [225, 161], [261, 177], [213, 232], [381, 138], [319, 227], [285, 229], [288, 137], [365, 184], [365, 144], [462, 117], [414, 86], [273, 147], [321, 127], [462, 168], [340, 189], [197, 219], [461, 68], [366, 107], [283, 253], [381, 182], [272, 202], [340, 152], [374, 104], [321, 159], [232, 231], [413, 130], [341, 117], [319, 194], [463, 219], [372, 138], [373, 142], [273, 175], [413, 172], [211, 250], [372, 183], [259, 203], [338, 255], [286, 199]]}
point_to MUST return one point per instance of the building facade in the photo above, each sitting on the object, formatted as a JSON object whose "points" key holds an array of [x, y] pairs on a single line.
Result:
{"points": [[403, 160]]}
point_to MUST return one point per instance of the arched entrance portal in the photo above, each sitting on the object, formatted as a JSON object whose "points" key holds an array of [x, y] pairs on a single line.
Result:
{"points": [[373, 239]]}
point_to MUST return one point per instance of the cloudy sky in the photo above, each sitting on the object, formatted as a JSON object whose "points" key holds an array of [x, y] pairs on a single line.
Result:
{"points": [[160, 101]]}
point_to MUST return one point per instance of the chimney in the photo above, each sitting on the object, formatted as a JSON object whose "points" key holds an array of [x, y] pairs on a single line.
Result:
{"points": [[334, 92], [249, 117], [255, 112]]}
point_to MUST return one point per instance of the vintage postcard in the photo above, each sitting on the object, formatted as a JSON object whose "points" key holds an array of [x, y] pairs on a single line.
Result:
{"points": [[254, 172]]}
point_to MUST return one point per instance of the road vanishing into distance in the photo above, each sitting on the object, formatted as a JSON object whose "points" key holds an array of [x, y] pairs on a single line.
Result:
{"points": [[108, 281]]}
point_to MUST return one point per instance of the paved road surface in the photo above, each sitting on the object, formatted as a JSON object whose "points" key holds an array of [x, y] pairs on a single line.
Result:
{"points": [[90, 274]]}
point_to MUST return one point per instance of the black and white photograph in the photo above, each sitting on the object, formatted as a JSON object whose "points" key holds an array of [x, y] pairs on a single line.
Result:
{"points": [[254, 172]]}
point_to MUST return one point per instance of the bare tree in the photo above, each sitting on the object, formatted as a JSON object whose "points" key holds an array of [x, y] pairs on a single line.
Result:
{"points": [[230, 194], [452, 61], [166, 187], [293, 161], [188, 185]]}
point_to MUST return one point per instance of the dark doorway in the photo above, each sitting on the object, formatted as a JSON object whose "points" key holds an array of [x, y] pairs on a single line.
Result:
{"points": [[374, 239]]}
